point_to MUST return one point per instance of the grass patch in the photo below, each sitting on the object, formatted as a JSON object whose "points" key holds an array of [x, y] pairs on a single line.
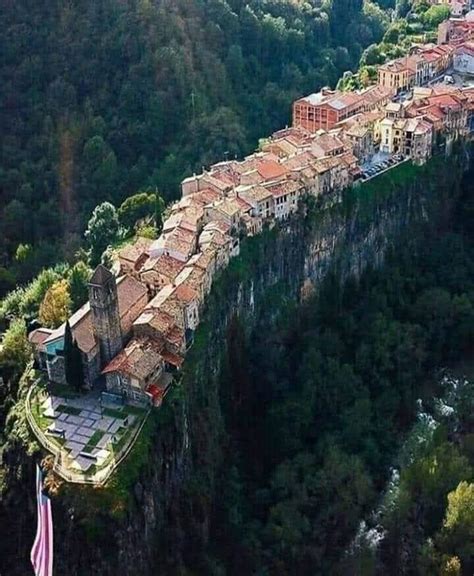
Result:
{"points": [[69, 410], [134, 410], [113, 412], [93, 441], [62, 390]]}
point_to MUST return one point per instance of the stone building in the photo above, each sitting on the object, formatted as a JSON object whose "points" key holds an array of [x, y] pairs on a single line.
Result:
{"points": [[103, 301], [100, 328]]}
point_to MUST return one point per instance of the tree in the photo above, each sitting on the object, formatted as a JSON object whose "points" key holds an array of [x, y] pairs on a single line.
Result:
{"points": [[102, 230], [159, 208], [435, 15], [138, 207], [23, 252], [78, 279], [451, 567], [459, 521], [54, 308], [15, 350], [372, 55], [73, 367]]}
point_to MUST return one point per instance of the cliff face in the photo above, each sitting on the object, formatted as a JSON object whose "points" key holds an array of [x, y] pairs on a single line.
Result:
{"points": [[155, 517]]}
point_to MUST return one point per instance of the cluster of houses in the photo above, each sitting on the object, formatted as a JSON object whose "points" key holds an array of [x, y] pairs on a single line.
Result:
{"points": [[134, 331]]}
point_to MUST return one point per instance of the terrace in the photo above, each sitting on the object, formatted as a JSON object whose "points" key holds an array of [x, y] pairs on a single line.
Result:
{"points": [[380, 163], [88, 434]]}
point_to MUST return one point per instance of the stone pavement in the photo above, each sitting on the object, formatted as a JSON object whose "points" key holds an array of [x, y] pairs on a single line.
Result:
{"points": [[86, 428]]}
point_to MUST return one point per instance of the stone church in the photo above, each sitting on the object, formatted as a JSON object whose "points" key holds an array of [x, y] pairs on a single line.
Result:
{"points": [[101, 328]]}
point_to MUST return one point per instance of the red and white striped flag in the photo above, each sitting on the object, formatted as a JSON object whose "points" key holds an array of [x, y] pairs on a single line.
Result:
{"points": [[42, 551]]}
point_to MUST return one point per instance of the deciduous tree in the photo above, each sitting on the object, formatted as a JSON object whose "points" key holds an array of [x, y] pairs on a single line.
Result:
{"points": [[56, 305]]}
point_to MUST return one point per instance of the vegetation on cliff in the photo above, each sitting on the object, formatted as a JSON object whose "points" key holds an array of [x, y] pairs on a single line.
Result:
{"points": [[317, 408]]}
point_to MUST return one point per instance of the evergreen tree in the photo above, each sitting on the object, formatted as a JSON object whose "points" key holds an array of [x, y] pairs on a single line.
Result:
{"points": [[72, 361], [102, 230]]}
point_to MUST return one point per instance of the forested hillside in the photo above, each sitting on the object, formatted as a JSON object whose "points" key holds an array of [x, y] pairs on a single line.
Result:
{"points": [[103, 98], [317, 410]]}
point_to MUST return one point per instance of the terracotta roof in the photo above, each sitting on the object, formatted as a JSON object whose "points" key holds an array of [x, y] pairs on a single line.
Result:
{"points": [[270, 170], [206, 196], [175, 337], [358, 131], [129, 292], [299, 160], [185, 293], [165, 265], [255, 193], [375, 94], [399, 65], [202, 260], [325, 144], [139, 359], [228, 207], [132, 252], [171, 358], [284, 188], [283, 146], [156, 392], [243, 205], [324, 164], [38, 336]]}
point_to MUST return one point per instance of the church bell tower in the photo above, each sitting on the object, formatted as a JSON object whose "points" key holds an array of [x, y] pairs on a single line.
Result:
{"points": [[105, 313]]}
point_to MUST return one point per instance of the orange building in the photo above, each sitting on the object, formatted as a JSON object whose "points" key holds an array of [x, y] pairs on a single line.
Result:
{"points": [[397, 74], [325, 109]]}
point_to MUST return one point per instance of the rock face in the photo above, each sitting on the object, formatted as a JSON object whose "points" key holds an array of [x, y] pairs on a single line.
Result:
{"points": [[155, 518]]}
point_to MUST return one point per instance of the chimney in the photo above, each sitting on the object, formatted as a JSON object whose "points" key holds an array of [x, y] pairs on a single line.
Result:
{"points": [[326, 91]]}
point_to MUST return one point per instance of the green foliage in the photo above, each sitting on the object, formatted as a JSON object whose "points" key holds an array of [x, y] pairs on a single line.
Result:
{"points": [[459, 522], [15, 350], [102, 230], [23, 252], [78, 278], [149, 232], [138, 208], [26, 301], [435, 15], [55, 307], [318, 401], [138, 95]]}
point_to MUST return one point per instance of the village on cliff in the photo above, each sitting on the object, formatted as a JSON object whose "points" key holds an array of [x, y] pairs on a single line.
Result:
{"points": [[134, 331]]}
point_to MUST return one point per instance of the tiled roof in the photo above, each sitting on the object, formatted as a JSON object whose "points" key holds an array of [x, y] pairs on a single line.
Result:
{"points": [[271, 170], [165, 265], [228, 207], [185, 293], [284, 188], [139, 359], [205, 196], [129, 292], [399, 65], [38, 336], [255, 193], [133, 252], [171, 358], [325, 144]]}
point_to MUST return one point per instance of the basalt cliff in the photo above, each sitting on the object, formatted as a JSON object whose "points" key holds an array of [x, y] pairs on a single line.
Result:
{"points": [[155, 516]]}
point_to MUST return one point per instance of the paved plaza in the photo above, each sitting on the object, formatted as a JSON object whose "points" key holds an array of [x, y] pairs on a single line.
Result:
{"points": [[88, 431]]}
